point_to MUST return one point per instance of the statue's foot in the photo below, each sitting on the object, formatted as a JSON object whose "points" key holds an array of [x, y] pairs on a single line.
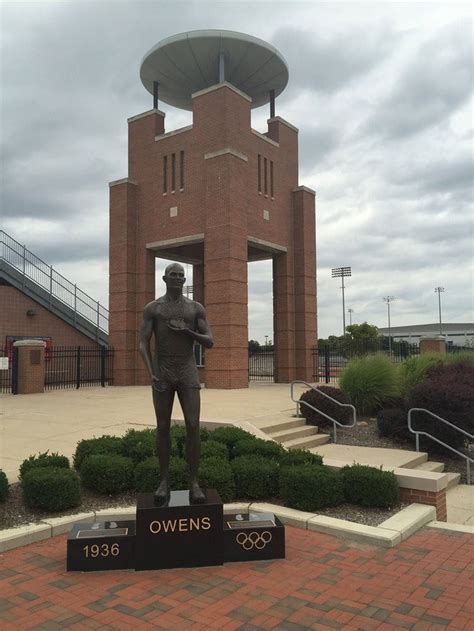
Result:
{"points": [[196, 495], [162, 494]]}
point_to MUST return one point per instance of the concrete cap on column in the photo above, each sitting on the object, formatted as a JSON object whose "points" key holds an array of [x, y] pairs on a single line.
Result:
{"points": [[433, 338], [30, 343]]}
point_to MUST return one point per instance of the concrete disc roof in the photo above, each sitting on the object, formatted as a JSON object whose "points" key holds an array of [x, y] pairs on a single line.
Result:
{"points": [[189, 62]]}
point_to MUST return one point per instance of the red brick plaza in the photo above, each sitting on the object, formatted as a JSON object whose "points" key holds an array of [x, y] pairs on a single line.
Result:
{"points": [[324, 583]]}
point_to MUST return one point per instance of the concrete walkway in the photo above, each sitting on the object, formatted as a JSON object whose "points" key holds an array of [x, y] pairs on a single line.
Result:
{"points": [[58, 419]]}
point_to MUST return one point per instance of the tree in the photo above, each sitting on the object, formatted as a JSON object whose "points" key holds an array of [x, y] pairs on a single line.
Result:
{"points": [[254, 346], [362, 331]]}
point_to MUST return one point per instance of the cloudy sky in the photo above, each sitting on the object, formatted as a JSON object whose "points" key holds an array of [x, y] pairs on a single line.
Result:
{"points": [[381, 93]]}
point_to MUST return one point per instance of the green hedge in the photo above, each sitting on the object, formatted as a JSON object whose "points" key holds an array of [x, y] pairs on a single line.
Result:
{"points": [[368, 486], [255, 477], [309, 487], [230, 436], [51, 488], [294, 457], [216, 473], [42, 460], [147, 475], [178, 474], [4, 488], [139, 444], [258, 447], [102, 445], [214, 449], [107, 473]]}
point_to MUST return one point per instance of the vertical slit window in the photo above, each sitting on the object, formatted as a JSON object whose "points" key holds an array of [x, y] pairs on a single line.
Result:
{"points": [[265, 177], [259, 169], [165, 174], [173, 172], [181, 169], [271, 178]]}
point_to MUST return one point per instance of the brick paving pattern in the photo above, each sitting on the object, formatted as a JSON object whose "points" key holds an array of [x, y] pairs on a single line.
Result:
{"points": [[324, 583]]}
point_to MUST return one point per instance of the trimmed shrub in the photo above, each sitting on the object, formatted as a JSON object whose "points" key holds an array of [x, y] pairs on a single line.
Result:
{"points": [[314, 398], [147, 475], [105, 444], [295, 457], [107, 473], [393, 422], [255, 477], [178, 474], [51, 488], [370, 382], [43, 460], [178, 437], [214, 449], [216, 473], [230, 436], [258, 447], [139, 444], [414, 370], [368, 486], [4, 487], [448, 393], [309, 488]]}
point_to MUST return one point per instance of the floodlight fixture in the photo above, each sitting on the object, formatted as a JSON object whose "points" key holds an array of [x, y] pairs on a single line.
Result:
{"points": [[342, 272], [351, 311]]}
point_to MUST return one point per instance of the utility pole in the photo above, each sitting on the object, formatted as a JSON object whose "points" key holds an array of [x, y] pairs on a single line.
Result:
{"points": [[351, 311], [342, 272], [388, 300], [439, 291]]}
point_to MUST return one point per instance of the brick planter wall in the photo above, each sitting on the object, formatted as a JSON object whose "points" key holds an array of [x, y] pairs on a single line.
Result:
{"points": [[436, 499]]}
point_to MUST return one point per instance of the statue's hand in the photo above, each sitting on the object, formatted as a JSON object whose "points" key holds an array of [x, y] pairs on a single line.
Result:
{"points": [[154, 381], [177, 325]]}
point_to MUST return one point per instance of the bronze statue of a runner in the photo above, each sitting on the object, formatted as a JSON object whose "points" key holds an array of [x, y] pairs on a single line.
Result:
{"points": [[176, 323]]}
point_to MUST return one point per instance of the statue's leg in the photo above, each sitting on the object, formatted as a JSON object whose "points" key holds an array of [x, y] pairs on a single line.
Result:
{"points": [[190, 399], [163, 402]]}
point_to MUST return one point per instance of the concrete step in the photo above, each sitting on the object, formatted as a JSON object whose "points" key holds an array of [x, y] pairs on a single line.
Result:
{"points": [[283, 424], [294, 432], [429, 465], [453, 480], [307, 441]]}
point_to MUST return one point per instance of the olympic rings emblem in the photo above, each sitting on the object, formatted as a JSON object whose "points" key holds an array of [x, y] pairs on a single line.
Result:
{"points": [[254, 539]]}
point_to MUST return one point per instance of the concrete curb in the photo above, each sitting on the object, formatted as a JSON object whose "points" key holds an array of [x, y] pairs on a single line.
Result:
{"points": [[452, 527], [388, 534]]}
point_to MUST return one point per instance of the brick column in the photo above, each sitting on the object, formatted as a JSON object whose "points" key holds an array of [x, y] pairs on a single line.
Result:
{"points": [[305, 281], [198, 283], [433, 344], [432, 498], [283, 318], [31, 368]]}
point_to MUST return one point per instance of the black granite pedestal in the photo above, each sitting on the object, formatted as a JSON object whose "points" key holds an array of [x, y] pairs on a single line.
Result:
{"points": [[97, 546], [253, 537], [179, 534]]}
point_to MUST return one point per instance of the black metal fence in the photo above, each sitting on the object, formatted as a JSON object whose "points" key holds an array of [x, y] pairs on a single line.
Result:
{"points": [[78, 366], [5, 372], [329, 361], [261, 365]]}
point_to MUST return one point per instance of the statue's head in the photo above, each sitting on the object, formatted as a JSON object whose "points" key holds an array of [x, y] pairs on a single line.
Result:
{"points": [[174, 276]]}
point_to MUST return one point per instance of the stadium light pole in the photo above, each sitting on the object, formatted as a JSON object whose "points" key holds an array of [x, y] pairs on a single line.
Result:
{"points": [[342, 272], [351, 311], [388, 300], [439, 291]]}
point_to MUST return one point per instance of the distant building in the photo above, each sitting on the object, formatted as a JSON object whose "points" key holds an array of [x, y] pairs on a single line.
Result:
{"points": [[456, 333]]}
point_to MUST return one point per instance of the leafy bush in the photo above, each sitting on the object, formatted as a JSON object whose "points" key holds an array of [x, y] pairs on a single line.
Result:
{"points": [[370, 382], [105, 444], [392, 422], [214, 449], [147, 475], [414, 369], [216, 473], [178, 474], [178, 437], [51, 488], [368, 486], [317, 400], [42, 460], [460, 356], [295, 457], [139, 444], [448, 393], [257, 447], [4, 488], [255, 477], [107, 473], [230, 436], [309, 488]]}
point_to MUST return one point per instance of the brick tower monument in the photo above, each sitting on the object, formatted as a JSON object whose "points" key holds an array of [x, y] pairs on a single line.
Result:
{"points": [[215, 194]]}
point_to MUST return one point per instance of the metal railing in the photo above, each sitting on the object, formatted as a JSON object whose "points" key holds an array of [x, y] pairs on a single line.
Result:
{"points": [[419, 433], [49, 280], [78, 366], [333, 420]]}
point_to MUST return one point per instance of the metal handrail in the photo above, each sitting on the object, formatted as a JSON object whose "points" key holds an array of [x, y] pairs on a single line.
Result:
{"points": [[333, 420], [419, 433], [52, 282]]}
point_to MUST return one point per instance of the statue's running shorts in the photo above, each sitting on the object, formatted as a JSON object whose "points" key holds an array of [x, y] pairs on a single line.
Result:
{"points": [[175, 373]]}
